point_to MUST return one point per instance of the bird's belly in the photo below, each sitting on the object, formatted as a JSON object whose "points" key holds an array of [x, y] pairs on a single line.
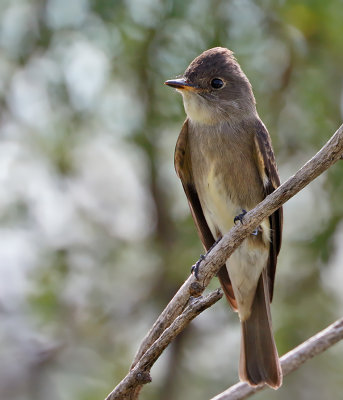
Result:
{"points": [[219, 205]]}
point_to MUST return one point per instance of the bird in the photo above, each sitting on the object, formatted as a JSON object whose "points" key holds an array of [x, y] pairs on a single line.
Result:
{"points": [[225, 161]]}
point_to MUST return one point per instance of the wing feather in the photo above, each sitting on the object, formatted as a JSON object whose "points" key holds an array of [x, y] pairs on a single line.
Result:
{"points": [[271, 180], [183, 169]]}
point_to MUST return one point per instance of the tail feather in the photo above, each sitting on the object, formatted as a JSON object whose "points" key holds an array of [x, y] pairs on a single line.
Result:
{"points": [[259, 360]]}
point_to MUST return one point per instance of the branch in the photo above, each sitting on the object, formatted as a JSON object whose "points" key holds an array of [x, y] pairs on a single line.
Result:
{"points": [[217, 256], [140, 373], [292, 360]]}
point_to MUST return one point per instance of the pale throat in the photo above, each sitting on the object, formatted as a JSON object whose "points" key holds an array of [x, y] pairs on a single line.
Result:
{"points": [[199, 110]]}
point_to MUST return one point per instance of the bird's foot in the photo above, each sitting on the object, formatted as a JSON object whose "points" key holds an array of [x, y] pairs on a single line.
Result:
{"points": [[239, 217], [257, 230], [195, 267]]}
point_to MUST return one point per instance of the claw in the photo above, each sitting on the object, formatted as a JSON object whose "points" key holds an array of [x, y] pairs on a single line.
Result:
{"points": [[195, 267], [255, 233], [239, 217]]}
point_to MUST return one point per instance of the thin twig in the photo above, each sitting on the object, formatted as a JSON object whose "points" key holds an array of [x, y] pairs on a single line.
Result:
{"points": [[141, 371], [326, 157], [292, 360]]}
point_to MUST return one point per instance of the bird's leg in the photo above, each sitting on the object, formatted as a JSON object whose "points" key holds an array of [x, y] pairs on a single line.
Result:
{"points": [[195, 267], [239, 217]]}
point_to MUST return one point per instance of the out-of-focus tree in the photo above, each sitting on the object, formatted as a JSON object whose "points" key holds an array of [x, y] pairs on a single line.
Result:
{"points": [[95, 230]]}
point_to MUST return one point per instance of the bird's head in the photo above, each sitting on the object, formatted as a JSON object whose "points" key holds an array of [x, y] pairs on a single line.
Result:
{"points": [[214, 88]]}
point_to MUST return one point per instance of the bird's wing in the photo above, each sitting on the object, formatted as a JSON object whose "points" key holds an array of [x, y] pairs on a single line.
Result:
{"points": [[183, 167], [271, 180]]}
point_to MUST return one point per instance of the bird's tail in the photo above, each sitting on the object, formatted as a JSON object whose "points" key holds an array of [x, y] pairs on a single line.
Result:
{"points": [[259, 360]]}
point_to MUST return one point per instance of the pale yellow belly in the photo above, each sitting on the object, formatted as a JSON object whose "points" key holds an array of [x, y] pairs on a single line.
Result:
{"points": [[218, 207], [246, 264]]}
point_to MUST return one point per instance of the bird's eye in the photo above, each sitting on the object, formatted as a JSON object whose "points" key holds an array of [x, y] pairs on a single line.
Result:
{"points": [[217, 83]]}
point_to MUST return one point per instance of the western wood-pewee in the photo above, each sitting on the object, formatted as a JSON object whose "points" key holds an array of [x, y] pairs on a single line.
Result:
{"points": [[226, 164]]}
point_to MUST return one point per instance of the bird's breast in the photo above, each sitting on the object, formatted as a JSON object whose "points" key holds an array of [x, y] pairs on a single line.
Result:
{"points": [[218, 199], [225, 175]]}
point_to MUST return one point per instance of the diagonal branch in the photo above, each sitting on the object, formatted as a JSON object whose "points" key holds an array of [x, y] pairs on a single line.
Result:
{"points": [[326, 157], [140, 373], [292, 360]]}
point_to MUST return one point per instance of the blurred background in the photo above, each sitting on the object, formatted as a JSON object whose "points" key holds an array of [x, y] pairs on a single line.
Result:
{"points": [[95, 233]]}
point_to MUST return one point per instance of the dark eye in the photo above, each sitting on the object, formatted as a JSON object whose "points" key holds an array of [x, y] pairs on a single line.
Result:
{"points": [[217, 83]]}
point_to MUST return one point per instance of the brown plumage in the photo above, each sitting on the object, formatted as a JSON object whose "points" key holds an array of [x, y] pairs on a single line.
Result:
{"points": [[225, 161]]}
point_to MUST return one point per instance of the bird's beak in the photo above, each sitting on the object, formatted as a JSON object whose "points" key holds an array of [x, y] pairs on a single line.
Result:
{"points": [[180, 84]]}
